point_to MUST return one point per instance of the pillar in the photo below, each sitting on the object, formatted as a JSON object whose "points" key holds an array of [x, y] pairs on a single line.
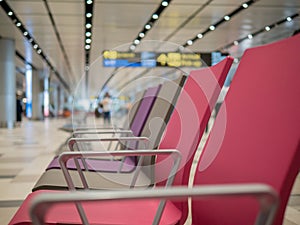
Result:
{"points": [[37, 94], [7, 83]]}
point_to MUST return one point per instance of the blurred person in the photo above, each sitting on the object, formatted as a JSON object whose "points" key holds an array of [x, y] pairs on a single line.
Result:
{"points": [[106, 107]]}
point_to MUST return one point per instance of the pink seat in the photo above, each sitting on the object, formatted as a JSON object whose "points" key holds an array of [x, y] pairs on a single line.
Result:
{"points": [[256, 136], [183, 132]]}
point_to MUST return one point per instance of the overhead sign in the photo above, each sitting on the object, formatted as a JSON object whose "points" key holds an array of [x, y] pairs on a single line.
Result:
{"points": [[154, 59]]}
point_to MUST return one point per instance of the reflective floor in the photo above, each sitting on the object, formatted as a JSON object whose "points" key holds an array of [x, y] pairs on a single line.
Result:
{"points": [[25, 152]]}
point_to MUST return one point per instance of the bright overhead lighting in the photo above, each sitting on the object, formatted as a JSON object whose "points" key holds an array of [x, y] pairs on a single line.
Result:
{"points": [[212, 27], [245, 5], [39, 51], [25, 33], [88, 41], [289, 19], [148, 26], [235, 42], [250, 36], [199, 36], [88, 34], [88, 15], [87, 46], [141, 35], [189, 42], [10, 13], [155, 16], [132, 47], [89, 2], [227, 18], [35, 46], [165, 3], [136, 41], [18, 24], [88, 25], [30, 40], [267, 28]]}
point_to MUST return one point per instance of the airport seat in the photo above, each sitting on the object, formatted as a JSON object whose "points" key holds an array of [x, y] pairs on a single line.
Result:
{"points": [[137, 124], [183, 132], [248, 165], [154, 111]]}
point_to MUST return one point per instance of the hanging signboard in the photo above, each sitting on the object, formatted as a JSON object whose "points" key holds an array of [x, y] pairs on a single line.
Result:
{"points": [[155, 59]]}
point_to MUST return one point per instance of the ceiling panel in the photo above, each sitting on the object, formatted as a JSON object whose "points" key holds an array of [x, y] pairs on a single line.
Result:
{"points": [[116, 23]]}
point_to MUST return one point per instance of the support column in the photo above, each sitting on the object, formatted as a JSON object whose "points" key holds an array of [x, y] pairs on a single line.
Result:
{"points": [[7, 83], [37, 94]]}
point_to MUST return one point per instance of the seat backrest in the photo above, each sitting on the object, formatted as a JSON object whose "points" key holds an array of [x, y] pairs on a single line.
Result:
{"points": [[189, 119], [158, 118], [134, 108], [162, 110], [144, 110], [255, 138]]}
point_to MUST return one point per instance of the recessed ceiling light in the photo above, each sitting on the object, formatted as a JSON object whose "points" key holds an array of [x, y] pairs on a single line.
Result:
{"points": [[87, 46], [235, 42], [289, 19], [189, 42], [165, 3], [148, 26], [212, 27], [250, 36], [39, 51], [88, 41], [88, 25], [155, 16], [88, 34], [25, 33], [10, 13], [35, 46], [245, 5], [89, 15], [227, 18], [132, 47], [267, 28], [136, 41], [18, 24], [141, 35], [89, 2], [199, 36]]}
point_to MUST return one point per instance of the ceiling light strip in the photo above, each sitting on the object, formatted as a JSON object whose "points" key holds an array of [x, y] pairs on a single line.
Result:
{"points": [[262, 30], [89, 7], [11, 14], [224, 19], [150, 23]]}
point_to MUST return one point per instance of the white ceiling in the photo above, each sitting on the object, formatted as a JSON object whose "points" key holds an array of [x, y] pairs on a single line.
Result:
{"points": [[116, 23]]}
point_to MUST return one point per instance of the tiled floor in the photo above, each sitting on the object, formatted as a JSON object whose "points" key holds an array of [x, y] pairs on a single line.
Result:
{"points": [[25, 152]]}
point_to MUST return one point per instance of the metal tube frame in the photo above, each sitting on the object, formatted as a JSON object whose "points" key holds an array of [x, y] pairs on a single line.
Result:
{"points": [[266, 195]]}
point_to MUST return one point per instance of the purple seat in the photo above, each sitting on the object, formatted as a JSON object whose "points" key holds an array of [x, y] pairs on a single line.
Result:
{"points": [[137, 125]]}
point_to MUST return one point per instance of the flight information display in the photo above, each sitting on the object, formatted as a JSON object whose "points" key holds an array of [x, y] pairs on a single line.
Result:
{"points": [[154, 59]]}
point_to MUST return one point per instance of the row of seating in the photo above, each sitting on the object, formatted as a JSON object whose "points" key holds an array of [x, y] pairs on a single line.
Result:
{"points": [[244, 175]]}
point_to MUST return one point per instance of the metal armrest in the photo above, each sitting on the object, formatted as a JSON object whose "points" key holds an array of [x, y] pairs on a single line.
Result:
{"points": [[101, 131], [266, 195], [65, 156], [72, 141], [97, 128]]}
